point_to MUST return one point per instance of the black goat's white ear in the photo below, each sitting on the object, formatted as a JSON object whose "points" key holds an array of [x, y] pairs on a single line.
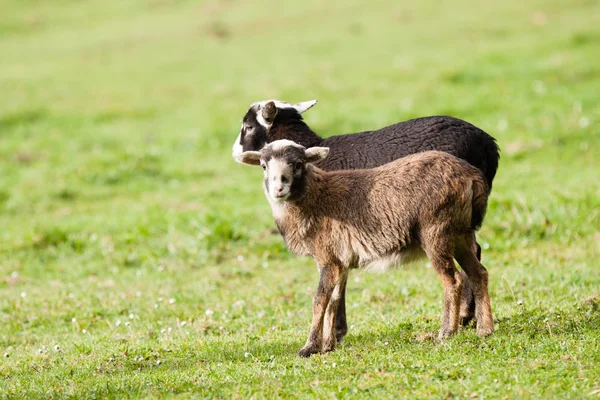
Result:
{"points": [[268, 113], [249, 158], [315, 154], [304, 106]]}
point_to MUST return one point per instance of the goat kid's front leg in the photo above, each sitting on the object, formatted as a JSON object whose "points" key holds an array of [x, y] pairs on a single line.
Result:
{"points": [[330, 328], [341, 324], [329, 277]]}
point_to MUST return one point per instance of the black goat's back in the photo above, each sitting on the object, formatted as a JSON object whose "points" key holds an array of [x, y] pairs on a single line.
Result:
{"points": [[451, 135]]}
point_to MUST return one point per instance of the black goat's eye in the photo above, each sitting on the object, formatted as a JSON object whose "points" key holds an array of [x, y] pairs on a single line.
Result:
{"points": [[264, 166]]}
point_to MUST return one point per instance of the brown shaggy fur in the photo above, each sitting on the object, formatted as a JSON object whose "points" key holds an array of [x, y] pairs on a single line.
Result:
{"points": [[429, 203]]}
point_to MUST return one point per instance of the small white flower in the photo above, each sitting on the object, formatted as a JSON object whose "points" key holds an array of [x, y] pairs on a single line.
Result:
{"points": [[171, 301], [160, 299], [155, 305], [240, 258], [183, 323], [6, 355], [356, 279], [246, 355], [239, 303], [138, 294], [74, 320], [520, 302], [158, 362], [169, 329], [333, 365], [209, 312], [127, 323], [40, 351], [265, 264], [118, 323], [23, 294], [131, 316], [84, 331], [14, 275], [56, 347], [163, 330], [161, 268]]}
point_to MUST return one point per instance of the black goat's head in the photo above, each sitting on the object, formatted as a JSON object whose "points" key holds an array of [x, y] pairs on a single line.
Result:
{"points": [[259, 119]]}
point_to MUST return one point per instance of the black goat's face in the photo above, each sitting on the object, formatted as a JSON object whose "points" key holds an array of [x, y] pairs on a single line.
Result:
{"points": [[254, 133]]}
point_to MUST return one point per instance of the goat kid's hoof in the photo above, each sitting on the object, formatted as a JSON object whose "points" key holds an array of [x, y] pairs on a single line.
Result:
{"points": [[444, 334], [308, 351], [483, 332], [328, 346]]}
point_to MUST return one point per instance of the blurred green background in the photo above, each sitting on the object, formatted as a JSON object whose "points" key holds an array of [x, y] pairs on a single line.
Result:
{"points": [[132, 241]]}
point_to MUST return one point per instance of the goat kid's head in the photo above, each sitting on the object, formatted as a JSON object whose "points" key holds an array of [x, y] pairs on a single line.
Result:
{"points": [[259, 119], [284, 164]]}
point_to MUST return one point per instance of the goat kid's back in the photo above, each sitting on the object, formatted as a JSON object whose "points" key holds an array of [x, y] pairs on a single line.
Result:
{"points": [[384, 210]]}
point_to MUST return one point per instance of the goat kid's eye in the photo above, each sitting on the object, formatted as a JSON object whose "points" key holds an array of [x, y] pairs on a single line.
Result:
{"points": [[264, 167]]}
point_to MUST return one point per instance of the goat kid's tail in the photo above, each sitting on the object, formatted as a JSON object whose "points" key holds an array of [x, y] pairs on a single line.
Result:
{"points": [[478, 202]]}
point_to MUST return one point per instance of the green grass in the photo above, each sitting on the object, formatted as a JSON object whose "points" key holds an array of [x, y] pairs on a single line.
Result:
{"points": [[130, 238]]}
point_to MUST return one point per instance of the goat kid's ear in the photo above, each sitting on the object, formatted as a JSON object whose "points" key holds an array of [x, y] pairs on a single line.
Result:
{"points": [[315, 154], [268, 112], [249, 158], [304, 106]]}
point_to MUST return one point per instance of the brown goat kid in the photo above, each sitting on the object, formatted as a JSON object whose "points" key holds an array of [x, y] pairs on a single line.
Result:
{"points": [[429, 203]]}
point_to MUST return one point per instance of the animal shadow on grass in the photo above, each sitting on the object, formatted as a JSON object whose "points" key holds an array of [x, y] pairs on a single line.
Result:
{"points": [[535, 324], [265, 350]]}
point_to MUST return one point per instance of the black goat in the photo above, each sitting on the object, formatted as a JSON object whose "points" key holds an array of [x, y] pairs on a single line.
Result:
{"points": [[271, 120]]}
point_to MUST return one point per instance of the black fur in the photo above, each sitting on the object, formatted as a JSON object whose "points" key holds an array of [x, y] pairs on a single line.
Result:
{"points": [[374, 148]]}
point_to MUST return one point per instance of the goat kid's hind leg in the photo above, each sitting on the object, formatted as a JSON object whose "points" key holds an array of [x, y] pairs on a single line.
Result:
{"points": [[452, 282], [466, 256], [330, 333], [330, 274], [341, 324], [467, 301]]}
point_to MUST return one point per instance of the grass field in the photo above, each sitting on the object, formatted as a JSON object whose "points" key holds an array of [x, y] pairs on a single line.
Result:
{"points": [[138, 260]]}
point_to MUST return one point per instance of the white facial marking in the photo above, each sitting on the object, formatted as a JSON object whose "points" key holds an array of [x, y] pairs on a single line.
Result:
{"points": [[261, 120], [279, 176], [237, 148]]}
